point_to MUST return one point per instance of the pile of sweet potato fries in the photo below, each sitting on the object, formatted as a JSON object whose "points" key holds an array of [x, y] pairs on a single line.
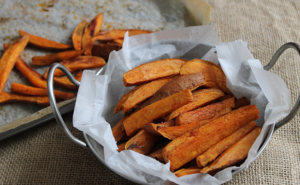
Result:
{"points": [[181, 111], [91, 47]]}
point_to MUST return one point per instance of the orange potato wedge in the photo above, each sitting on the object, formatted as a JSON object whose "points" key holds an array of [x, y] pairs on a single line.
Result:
{"points": [[198, 65], [204, 113], [90, 30], [119, 41], [77, 35], [34, 91], [177, 131], [142, 142], [187, 171], [118, 130], [152, 71], [44, 43], [158, 150], [103, 50], [63, 81], [241, 102], [236, 153], [177, 84], [55, 57], [10, 97], [156, 110], [118, 34], [9, 58], [78, 63], [152, 128], [187, 147], [212, 153], [200, 98], [119, 106], [143, 93], [121, 147]]}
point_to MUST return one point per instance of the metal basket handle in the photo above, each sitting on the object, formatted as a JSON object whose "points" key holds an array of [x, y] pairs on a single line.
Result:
{"points": [[53, 104], [296, 107]]}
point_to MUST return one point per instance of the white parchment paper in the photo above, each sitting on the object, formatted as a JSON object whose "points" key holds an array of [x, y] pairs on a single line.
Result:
{"points": [[98, 95]]}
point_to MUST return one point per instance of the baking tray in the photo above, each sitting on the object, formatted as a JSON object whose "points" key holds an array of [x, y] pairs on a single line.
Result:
{"points": [[56, 20]]}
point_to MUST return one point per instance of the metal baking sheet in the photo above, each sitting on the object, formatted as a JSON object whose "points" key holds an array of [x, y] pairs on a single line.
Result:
{"points": [[56, 19]]}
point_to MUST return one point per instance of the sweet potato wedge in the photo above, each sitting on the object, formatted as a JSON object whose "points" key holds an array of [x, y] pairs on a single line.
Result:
{"points": [[152, 128], [119, 106], [9, 58], [34, 91], [77, 35], [177, 131], [241, 102], [200, 98], [212, 153], [119, 41], [90, 30], [187, 147], [152, 71], [31, 75], [187, 171], [44, 43], [198, 65], [143, 93], [236, 153], [142, 142], [78, 63], [63, 81], [158, 150], [177, 84], [118, 34], [121, 147], [204, 113], [156, 110], [55, 57], [118, 130], [10, 97], [103, 50]]}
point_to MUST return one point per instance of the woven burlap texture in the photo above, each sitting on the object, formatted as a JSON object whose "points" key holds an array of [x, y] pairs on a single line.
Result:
{"points": [[44, 155]]}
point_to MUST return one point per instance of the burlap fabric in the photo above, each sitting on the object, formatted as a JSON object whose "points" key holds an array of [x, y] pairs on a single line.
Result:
{"points": [[44, 155]]}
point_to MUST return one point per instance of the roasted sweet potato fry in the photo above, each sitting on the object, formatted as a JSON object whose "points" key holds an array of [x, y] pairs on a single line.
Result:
{"points": [[55, 57], [156, 110], [241, 102], [177, 84], [187, 147], [119, 41], [187, 171], [121, 147], [152, 128], [44, 43], [119, 105], [9, 97], [152, 70], [236, 153], [158, 150], [103, 50], [77, 35], [118, 34], [9, 58], [143, 93], [200, 98], [34, 91], [198, 65], [212, 153], [90, 30], [79, 63], [63, 81], [118, 130], [142, 142], [205, 113]]}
